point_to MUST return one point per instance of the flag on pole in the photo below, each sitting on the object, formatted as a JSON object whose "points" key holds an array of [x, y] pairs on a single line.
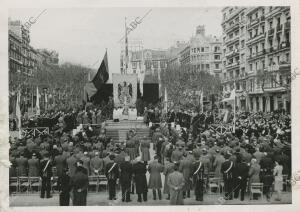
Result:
{"points": [[37, 104], [166, 100], [126, 48], [18, 113], [201, 101], [98, 81]]}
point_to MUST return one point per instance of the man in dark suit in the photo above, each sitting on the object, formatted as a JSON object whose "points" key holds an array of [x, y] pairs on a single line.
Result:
{"points": [[125, 179], [198, 178], [241, 174], [227, 171], [139, 171], [46, 174], [79, 184], [112, 174]]}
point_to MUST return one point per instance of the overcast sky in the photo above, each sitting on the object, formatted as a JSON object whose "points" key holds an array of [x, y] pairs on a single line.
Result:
{"points": [[81, 35]]}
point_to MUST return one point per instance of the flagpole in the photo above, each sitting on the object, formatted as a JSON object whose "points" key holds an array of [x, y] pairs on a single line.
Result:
{"points": [[234, 117]]}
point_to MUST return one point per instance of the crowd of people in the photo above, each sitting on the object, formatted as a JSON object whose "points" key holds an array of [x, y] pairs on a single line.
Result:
{"points": [[257, 151]]}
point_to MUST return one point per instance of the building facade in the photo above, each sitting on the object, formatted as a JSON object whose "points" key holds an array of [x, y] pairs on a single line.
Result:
{"points": [[203, 53], [257, 61]]}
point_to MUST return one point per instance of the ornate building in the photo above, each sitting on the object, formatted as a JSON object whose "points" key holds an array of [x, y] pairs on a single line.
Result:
{"points": [[256, 56]]}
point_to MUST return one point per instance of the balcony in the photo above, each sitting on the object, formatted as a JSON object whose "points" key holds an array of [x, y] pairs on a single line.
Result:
{"points": [[232, 53], [231, 40], [284, 45], [262, 18], [284, 65], [253, 22], [278, 28]]}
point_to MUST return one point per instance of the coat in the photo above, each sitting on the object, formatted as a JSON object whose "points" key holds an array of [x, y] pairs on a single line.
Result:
{"points": [[96, 165], [155, 168], [33, 167], [176, 179], [254, 172], [112, 171], [60, 164], [168, 169], [219, 159], [71, 162], [86, 163], [176, 155], [130, 148], [185, 167], [139, 171], [22, 164], [79, 180], [126, 173], [145, 146]]}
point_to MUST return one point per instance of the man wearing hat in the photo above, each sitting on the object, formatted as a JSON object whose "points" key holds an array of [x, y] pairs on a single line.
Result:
{"points": [[79, 184], [227, 171], [112, 174], [198, 175], [177, 154], [46, 174], [125, 178], [176, 183], [139, 171], [185, 167], [155, 168]]}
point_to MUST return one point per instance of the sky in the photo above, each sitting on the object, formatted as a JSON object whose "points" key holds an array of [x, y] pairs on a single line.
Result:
{"points": [[82, 35]]}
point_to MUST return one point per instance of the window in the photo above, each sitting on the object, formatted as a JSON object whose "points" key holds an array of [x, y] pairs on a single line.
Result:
{"points": [[262, 46], [242, 43], [251, 67], [287, 57], [217, 65], [263, 64], [207, 66], [262, 29], [278, 21], [202, 49], [217, 57]]}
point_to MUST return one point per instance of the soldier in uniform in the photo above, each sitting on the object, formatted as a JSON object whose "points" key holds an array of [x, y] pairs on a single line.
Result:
{"points": [[266, 165], [46, 174], [112, 174], [33, 166], [60, 164], [145, 146], [186, 168], [125, 179], [130, 148], [63, 184], [139, 171], [227, 171], [22, 164], [198, 178], [155, 168]]}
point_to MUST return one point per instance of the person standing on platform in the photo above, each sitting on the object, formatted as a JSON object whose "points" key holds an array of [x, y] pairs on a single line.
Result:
{"points": [[155, 168], [112, 174], [139, 171], [227, 171], [63, 185], [198, 178], [145, 146], [176, 183], [79, 185], [130, 148], [125, 179], [46, 174]]}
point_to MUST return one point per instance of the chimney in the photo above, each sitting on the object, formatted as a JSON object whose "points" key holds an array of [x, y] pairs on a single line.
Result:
{"points": [[200, 30]]}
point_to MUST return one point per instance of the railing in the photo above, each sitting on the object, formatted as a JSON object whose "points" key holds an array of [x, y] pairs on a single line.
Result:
{"points": [[36, 131]]}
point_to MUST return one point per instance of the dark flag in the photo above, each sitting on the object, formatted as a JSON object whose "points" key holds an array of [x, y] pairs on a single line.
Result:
{"points": [[91, 88]]}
